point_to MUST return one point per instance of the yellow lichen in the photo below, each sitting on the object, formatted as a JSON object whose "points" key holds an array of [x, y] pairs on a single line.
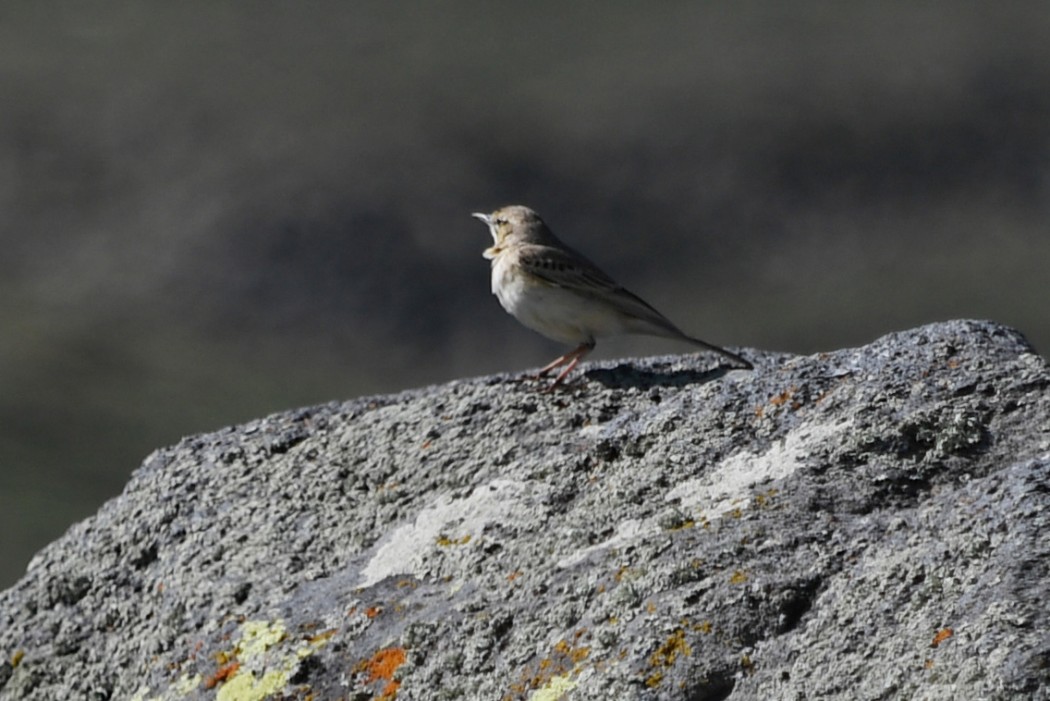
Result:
{"points": [[551, 675], [186, 684], [576, 654], [140, 695], [259, 636], [243, 686], [654, 679], [554, 689], [668, 652], [234, 678]]}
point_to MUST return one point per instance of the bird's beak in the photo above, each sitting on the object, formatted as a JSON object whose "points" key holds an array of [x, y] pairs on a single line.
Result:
{"points": [[490, 253]]}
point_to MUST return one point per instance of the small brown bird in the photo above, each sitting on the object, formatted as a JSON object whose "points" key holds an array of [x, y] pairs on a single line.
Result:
{"points": [[554, 290]]}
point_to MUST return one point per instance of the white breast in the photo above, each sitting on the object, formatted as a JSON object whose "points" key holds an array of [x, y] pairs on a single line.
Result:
{"points": [[552, 311]]}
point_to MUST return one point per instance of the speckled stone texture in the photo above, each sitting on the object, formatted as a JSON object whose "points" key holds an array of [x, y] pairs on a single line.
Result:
{"points": [[870, 523]]}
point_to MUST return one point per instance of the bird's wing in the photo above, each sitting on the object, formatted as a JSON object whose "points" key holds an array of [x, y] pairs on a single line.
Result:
{"points": [[572, 271], [565, 269]]}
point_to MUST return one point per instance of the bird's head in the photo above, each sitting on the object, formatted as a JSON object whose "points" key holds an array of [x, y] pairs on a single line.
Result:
{"points": [[513, 225]]}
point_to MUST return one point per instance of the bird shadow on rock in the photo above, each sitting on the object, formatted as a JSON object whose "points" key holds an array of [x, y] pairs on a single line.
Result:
{"points": [[624, 375]]}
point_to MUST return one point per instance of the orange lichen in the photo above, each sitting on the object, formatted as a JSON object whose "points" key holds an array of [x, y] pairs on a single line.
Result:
{"points": [[784, 396], [942, 635], [384, 663], [373, 611], [221, 675]]}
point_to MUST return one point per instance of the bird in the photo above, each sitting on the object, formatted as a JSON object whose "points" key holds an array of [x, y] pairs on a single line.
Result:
{"points": [[559, 293]]}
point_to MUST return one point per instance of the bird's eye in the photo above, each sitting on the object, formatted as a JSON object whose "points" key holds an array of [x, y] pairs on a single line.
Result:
{"points": [[501, 220]]}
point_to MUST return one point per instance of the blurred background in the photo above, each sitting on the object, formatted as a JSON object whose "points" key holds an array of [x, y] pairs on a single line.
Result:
{"points": [[211, 211]]}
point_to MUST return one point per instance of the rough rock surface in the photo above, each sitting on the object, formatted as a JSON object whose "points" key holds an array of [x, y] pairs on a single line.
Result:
{"points": [[865, 524]]}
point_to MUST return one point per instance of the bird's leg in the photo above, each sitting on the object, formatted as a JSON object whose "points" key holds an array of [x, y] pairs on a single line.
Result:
{"points": [[560, 360], [572, 358]]}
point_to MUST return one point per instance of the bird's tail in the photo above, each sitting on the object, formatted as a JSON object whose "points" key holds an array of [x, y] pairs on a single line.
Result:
{"points": [[743, 363], [642, 318]]}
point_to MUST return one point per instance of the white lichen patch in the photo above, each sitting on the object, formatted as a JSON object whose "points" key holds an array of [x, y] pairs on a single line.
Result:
{"points": [[450, 521], [730, 485]]}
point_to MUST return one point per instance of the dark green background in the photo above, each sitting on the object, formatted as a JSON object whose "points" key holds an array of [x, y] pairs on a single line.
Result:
{"points": [[210, 211]]}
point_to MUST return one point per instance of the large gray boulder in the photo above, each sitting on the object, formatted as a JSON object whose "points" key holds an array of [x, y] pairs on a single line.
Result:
{"points": [[864, 524]]}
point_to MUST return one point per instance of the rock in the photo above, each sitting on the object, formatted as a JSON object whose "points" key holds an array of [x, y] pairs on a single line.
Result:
{"points": [[865, 524]]}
